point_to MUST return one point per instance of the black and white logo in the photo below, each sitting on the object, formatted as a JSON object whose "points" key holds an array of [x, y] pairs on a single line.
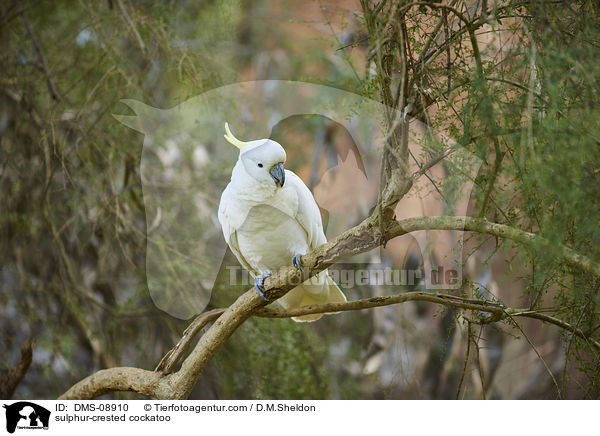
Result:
{"points": [[26, 415]]}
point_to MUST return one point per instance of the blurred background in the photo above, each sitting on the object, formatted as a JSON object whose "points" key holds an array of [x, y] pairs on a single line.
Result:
{"points": [[76, 223]]}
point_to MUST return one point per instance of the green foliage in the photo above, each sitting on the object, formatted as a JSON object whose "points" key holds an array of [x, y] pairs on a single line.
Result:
{"points": [[273, 360]]}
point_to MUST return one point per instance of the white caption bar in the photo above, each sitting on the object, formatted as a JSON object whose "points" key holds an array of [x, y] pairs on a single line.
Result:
{"points": [[22, 417]]}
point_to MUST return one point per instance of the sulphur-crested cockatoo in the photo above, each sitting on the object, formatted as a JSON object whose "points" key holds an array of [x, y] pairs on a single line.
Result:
{"points": [[270, 219]]}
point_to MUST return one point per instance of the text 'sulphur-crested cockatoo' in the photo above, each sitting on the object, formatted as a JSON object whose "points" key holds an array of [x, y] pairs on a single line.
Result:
{"points": [[270, 218]]}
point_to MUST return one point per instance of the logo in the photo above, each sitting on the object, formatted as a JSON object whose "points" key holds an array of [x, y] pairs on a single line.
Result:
{"points": [[26, 415]]}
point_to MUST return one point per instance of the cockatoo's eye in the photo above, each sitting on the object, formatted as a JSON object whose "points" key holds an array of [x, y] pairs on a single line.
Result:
{"points": [[260, 165]]}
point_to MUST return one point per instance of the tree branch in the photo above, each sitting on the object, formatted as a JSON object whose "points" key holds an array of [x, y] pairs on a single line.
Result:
{"points": [[123, 378], [131, 24], [154, 383], [10, 378], [481, 225], [359, 239], [54, 93], [367, 303], [168, 362]]}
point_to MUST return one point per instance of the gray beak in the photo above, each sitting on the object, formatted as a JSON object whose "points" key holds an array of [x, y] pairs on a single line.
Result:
{"points": [[278, 174]]}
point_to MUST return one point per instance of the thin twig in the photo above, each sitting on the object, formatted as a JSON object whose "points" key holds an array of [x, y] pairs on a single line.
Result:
{"points": [[43, 62], [479, 369], [131, 24], [538, 355], [434, 161], [462, 376]]}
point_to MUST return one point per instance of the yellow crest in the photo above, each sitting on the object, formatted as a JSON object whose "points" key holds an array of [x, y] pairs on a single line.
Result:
{"points": [[232, 139]]}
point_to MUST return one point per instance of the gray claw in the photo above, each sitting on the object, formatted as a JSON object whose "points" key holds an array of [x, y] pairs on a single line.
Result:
{"points": [[297, 261], [259, 282]]}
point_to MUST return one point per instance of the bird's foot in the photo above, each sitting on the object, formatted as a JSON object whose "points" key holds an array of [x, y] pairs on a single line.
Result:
{"points": [[297, 261], [259, 282]]}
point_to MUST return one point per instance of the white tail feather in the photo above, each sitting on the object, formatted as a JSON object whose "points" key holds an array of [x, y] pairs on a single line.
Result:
{"points": [[305, 295]]}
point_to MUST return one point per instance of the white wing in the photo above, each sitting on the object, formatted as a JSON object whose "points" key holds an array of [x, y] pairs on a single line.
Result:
{"points": [[229, 229], [308, 214], [295, 200]]}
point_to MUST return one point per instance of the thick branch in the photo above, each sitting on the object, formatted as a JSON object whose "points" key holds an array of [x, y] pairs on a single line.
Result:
{"points": [[115, 379]]}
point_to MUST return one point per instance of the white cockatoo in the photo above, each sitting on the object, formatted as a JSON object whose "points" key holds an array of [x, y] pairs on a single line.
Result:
{"points": [[270, 219]]}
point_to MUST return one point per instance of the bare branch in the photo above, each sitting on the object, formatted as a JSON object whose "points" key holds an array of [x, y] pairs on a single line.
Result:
{"points": [[367, 303], [464, 370], [118, 379], [10, 379], [480, 225], [174, 355]]}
